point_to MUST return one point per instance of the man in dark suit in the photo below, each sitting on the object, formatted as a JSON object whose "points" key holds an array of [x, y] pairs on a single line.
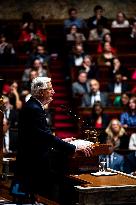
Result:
{"points": [[98, 17], [118, 86], [130, 162], [95, 95], [114, 160], [41, 156]]}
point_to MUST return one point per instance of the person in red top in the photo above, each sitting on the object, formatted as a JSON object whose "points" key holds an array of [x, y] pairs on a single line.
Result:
{"points": [[106, 38]]}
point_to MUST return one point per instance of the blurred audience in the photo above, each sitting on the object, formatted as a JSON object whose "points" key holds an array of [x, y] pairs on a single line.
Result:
{"points": [[106, 38], [121, 21], [116, 132], [80, 87], [10, 137], [117, 67], [26, 86], [75, 35], [98, 16], [41, 54], [118, 86], [132, 142], [10, 113], [14, 95], [76, 58], [122, 101], [130, 163], [90, 67], [38, 66], [74, 20], [98, 118], [7, 52], [97, 33], [106, 58], [133, 31], [95, 95], [128, 119], [114, 160]]}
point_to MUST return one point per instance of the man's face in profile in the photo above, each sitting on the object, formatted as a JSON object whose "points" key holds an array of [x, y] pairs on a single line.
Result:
{"points": [[48, 93]]}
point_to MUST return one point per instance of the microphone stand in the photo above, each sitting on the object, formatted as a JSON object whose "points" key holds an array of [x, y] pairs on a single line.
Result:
{"points": [[85, 131]]}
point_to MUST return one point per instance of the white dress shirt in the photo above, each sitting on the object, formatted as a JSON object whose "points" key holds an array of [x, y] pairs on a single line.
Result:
{"points": [[95, 97], [117, 88]]}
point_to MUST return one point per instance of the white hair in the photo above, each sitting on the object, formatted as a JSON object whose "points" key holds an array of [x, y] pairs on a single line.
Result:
{"points": [[38, 84]]}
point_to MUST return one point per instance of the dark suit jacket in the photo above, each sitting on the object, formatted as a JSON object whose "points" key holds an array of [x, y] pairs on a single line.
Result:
{"points": [[91, 22], [130, 162], [117, 162], [124, 87], [36, 147]]}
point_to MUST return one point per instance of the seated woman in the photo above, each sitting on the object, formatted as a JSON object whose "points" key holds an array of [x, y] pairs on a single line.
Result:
{"points": [[117, 67], [98, 119], [128, 119], [106, 38], [116, 132], [121, 101], [106, 58], [75, 35], [121, 21]]}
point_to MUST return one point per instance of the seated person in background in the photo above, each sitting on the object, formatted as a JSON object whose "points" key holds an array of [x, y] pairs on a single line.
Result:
{"points": [[7, 52], [81, 87], [116, 132], [95, 95], [98, 118], [38, 66], [14, 96], [128, 119], [98, 16], [90, 67], [118, 67], [130, 163], [97, 33], [122, 101], [133, 31], [121, 21], [40, 54], [132, 142], [30, 31], [114, 160], [118, 86], [106, 58], [26, 85], [76, 58], [10, 137], [106, 38], [10, 114], [75, 35], [74, 20]]}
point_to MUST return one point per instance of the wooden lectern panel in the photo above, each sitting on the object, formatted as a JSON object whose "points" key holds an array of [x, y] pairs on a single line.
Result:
{"points": [[80, 162]]}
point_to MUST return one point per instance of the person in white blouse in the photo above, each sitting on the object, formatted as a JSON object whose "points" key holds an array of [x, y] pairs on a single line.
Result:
{"points": [[121, 21], [132, 142]]}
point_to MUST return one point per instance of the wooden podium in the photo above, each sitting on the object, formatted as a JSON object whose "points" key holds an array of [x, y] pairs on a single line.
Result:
{"points": [[100, 190], [80, 163]]}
